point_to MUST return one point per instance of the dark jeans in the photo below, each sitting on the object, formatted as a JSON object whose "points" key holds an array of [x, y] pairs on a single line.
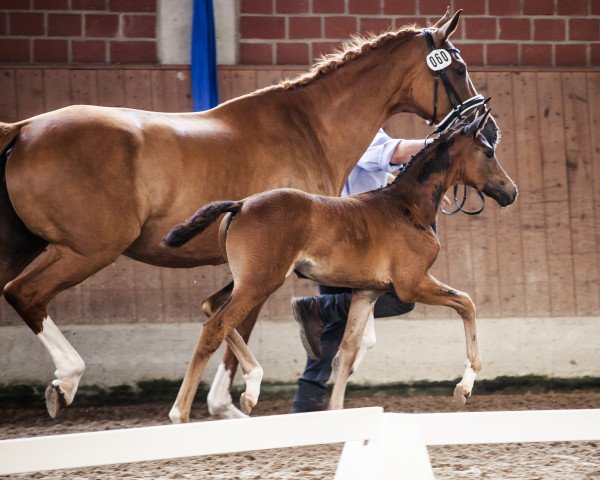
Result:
{"points": [[335, 305]]}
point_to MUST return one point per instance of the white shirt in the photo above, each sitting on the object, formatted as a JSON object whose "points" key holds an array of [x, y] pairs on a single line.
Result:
{"points": [[371, 170]]}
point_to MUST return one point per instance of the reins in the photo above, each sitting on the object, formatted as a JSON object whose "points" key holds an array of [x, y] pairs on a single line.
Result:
{"points": [[438, 60]]}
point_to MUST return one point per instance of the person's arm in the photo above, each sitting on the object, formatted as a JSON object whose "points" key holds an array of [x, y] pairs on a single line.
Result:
{"points": [[405, 150]]}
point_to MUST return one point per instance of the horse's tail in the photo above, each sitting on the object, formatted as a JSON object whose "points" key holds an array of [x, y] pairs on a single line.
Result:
{"points": [[8, 137], [199, 222]]}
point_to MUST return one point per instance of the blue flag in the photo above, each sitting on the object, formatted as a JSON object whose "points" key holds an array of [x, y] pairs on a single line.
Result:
{"points": [[204, 57]]}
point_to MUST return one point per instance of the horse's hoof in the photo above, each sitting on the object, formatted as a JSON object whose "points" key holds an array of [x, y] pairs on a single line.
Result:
{"points": [[177, 417], [55, 400], [461, 394], [246, 403]]}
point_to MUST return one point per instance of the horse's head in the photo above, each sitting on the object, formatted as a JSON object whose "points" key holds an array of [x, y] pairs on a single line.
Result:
{"points": [[439, 80], [476, 165]]}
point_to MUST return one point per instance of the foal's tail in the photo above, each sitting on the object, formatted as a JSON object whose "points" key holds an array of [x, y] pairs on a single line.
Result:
{"points": [[199, 222]]}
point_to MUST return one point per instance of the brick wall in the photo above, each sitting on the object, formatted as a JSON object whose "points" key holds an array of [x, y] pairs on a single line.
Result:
{"points": [[78, 31], [492, 32]]}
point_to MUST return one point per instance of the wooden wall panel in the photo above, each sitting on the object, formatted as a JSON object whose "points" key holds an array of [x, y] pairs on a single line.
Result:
{"points": [[536, 258]]}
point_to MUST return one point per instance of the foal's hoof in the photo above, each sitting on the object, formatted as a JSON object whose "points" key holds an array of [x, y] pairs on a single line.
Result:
{"points": [[55, 400], [461, 394], [246, 403]]}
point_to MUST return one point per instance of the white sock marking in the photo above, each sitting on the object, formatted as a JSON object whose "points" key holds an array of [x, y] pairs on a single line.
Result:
{"points": [[468, 378], [219, 399], [253, 379], [69, 365]]}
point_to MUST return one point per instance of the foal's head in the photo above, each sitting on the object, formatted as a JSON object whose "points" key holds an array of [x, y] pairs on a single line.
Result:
{"points": [[475, 164]]}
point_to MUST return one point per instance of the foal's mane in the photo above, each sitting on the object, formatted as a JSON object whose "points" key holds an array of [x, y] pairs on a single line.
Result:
{"points": [[350, 50]]}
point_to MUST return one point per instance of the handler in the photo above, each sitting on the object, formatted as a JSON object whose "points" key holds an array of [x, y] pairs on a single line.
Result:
{"points": [[323, 318]]}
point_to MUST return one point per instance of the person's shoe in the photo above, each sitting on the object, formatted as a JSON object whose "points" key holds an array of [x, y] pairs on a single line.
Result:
{"points": [[308, 315]]}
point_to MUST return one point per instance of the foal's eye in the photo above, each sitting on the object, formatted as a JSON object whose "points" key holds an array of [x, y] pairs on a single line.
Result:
{"points": [[461, 70], [489, 153]]}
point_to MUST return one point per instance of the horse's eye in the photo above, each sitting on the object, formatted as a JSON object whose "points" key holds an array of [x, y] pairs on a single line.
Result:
{"points": [[489, 153], [461, 70]]}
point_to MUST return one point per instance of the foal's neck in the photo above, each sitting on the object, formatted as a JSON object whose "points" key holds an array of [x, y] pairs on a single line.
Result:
{"points": [[421, 187]]}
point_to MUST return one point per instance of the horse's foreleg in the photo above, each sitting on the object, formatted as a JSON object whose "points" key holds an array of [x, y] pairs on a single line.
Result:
{"points": [[361, 309], [54, 270], [433, 292], [253, 372], [220, 403], [367, 342]]}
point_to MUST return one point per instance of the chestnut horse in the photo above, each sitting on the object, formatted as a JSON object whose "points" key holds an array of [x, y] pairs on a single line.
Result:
{"points": [[373, 242], [85, 184]]}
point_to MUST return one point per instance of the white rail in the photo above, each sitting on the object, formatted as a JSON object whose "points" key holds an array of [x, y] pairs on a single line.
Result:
{"points": [[377, 445]]}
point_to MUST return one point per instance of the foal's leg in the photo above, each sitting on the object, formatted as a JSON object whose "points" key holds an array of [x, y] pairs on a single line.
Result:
{"points": [[433, 292], [53, 271], [220, 403], [253, 372], [367, 342], [212, 334], [361, 309]]}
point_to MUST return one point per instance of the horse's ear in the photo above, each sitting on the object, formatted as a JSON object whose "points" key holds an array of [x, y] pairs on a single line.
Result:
{"points": [[482, 121], [444, 32], [444, 19]]}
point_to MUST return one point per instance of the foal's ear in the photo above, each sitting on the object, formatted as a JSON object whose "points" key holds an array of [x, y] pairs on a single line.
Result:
{"points": [[482, 121], [444, 32], [444, 19]]}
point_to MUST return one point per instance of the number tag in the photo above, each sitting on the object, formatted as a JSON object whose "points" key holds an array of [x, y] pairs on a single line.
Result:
{"points": [[438, 60]]}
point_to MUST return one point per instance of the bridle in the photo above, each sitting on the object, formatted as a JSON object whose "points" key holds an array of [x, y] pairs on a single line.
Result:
{"points": [[438, 60], [458, 108]]}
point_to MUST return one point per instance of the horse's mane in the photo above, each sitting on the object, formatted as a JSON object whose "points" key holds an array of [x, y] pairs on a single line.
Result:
{"points": [[350, 50]]}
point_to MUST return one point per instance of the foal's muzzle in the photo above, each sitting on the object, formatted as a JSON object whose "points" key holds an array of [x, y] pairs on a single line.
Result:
{"points": [[504, 196]]}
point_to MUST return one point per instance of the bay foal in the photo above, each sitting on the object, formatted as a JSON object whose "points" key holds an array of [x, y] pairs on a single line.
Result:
{"points": [[372, 242]]}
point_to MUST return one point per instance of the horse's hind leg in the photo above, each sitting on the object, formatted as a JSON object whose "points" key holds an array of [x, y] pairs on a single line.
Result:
{"points": [[253, 372], [53, 271], [220, 403]]}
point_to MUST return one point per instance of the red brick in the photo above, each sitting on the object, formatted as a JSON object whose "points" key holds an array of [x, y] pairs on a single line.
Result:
{"points": [[472, 53], [399, 7], [14, 50], [470, 7], [515, 29], [570, 55], [3, 28], [50, 4], [305, 27], [88, 4], [64, 24], [505, 7], [98, 25], [595, 54], [572, 7], [364, 6], [256, 53], [328, 6], [536, 55], [584, 29], [502, 54], [375, 25], [418, 21], [26, 23], [51, 51], [323, 48], [256, 6], [262, 27], [132, 5], [88, 51], [139, 25], [538, 7], [133, 52], [595, 8], [340, 27], [15, 5], [433, 7], [292, 54], [547, 29], [291, 6], [480, 28]]}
